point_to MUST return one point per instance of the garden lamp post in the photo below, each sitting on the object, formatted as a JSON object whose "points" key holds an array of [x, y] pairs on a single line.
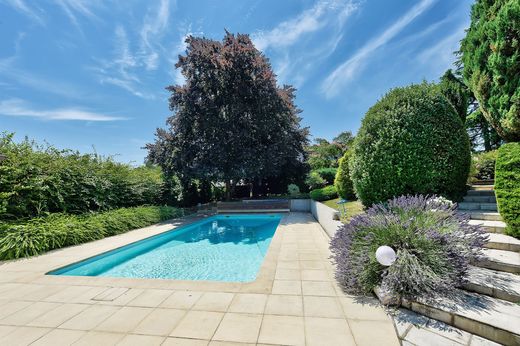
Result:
{"points": [[343, 209], [385, 255]]}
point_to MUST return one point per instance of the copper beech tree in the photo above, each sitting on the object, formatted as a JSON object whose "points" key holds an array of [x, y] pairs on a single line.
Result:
{"points": [[231, 122]]}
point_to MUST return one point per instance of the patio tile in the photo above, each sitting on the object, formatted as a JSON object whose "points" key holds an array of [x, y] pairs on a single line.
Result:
{"points": [[322, 307], [214, 301], [141, 340], [90, 317], [287, 287], [31, 312], [4, 330], [362, 308], [160, 322], [248, 303], [184, 342], [373, 333], [198, 325], [150, 298], [312, 264], [99, 339], [328, 331], [288, 265], [285, 330], [124, 320], [181, 300], [124, 298], [287, 274], [12, 307], [318, 288], [229, 343], [22, 336], [239, 328], [58, 315], [59, 337], [284, 305], [315, 275]]}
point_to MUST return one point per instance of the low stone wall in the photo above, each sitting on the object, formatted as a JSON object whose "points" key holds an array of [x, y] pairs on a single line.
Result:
{"points": [[300, 205], [326, 217]]}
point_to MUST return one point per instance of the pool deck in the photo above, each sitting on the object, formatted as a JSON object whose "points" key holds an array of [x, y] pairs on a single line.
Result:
{"points": [[294, 300]]}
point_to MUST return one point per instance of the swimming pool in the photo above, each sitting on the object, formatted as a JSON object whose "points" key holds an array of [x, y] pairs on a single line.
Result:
{"points": [[218, 248]]}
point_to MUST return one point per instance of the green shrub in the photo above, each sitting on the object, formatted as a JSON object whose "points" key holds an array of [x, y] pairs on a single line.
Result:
{"points": [[314, 180], [39, 235], [410, 142], [483, 165], [328, 174], [293, 189], [343, 182], [324, 194], [507, 186], [37, 180]]}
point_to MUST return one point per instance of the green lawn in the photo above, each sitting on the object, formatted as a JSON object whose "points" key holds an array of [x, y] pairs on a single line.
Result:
{"points": [[353, 207]]}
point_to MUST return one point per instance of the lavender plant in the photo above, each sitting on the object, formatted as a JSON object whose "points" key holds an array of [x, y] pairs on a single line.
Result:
{"points": [[434, 247]]}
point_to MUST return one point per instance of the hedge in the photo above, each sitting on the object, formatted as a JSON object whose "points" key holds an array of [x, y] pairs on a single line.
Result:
{"points": [[324, 194], [343, 182], [411, 142], [507, 186], [40, 235]]}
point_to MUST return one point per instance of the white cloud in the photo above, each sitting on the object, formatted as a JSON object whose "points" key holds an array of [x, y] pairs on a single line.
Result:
{"points": [[29, 11], [74, 7], [153, 28], [19, 108], [309, 21], [347, 70]]}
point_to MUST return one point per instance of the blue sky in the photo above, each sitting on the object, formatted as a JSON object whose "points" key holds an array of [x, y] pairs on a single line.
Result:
{"points": [[90, 74]]}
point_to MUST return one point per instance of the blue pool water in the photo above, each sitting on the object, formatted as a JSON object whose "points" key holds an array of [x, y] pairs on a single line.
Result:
{"points": [[218, 248]]}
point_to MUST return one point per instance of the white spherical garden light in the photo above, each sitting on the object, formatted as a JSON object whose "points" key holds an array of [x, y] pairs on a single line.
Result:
{"points": [[385, 255]]}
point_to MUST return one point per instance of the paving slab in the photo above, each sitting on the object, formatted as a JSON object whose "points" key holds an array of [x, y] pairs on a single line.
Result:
{"points": [[507, 261], [503, 242]]}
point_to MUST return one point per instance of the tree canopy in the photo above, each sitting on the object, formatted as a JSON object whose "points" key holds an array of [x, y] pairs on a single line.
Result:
{"points": [[490, 53], [230, 121]]}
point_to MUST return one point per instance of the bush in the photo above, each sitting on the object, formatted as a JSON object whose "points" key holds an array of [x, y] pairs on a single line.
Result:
{"points": [[410, 142], [483, 165], [37, 180], [324, 194], [314, 180], [293, 189], [59, 230], [507, 186], [343, 182], [434, 247], [328, 174]]}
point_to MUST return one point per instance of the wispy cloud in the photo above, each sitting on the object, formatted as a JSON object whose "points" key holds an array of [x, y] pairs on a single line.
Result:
{"points": [[154, 27], [344, 73], [73, 8], [29, 11], [19, 108], [290, 31], [297, 43]]}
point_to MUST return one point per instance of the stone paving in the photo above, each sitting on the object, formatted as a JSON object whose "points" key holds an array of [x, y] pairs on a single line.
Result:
{"points": [[294, 300]]}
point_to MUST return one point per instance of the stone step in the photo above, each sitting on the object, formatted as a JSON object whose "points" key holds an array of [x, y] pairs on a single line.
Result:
{"points": [[493, 283], [491, 318], [477, 206], [505, 261], [484, 182], [480, 199], [482, 187], [503, 242], [480, 193], [415, 329], [482, 215], [490, 226]]}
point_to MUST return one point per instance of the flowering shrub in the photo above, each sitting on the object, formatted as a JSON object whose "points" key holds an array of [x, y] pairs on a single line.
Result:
{"points": [[434, 247]]}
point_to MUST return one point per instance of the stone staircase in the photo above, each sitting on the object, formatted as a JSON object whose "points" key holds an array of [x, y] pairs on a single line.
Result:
{"points": [[489, 303]]}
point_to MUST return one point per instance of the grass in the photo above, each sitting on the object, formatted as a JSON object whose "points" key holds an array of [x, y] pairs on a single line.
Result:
{"points": [[353, 208]]}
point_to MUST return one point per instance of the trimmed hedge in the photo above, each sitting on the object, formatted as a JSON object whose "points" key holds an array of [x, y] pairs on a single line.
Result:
{"points": [[411, 142], [507, 186], [483, 165], [328, 174], [324, 194], [60, 230], [343, 182]]}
